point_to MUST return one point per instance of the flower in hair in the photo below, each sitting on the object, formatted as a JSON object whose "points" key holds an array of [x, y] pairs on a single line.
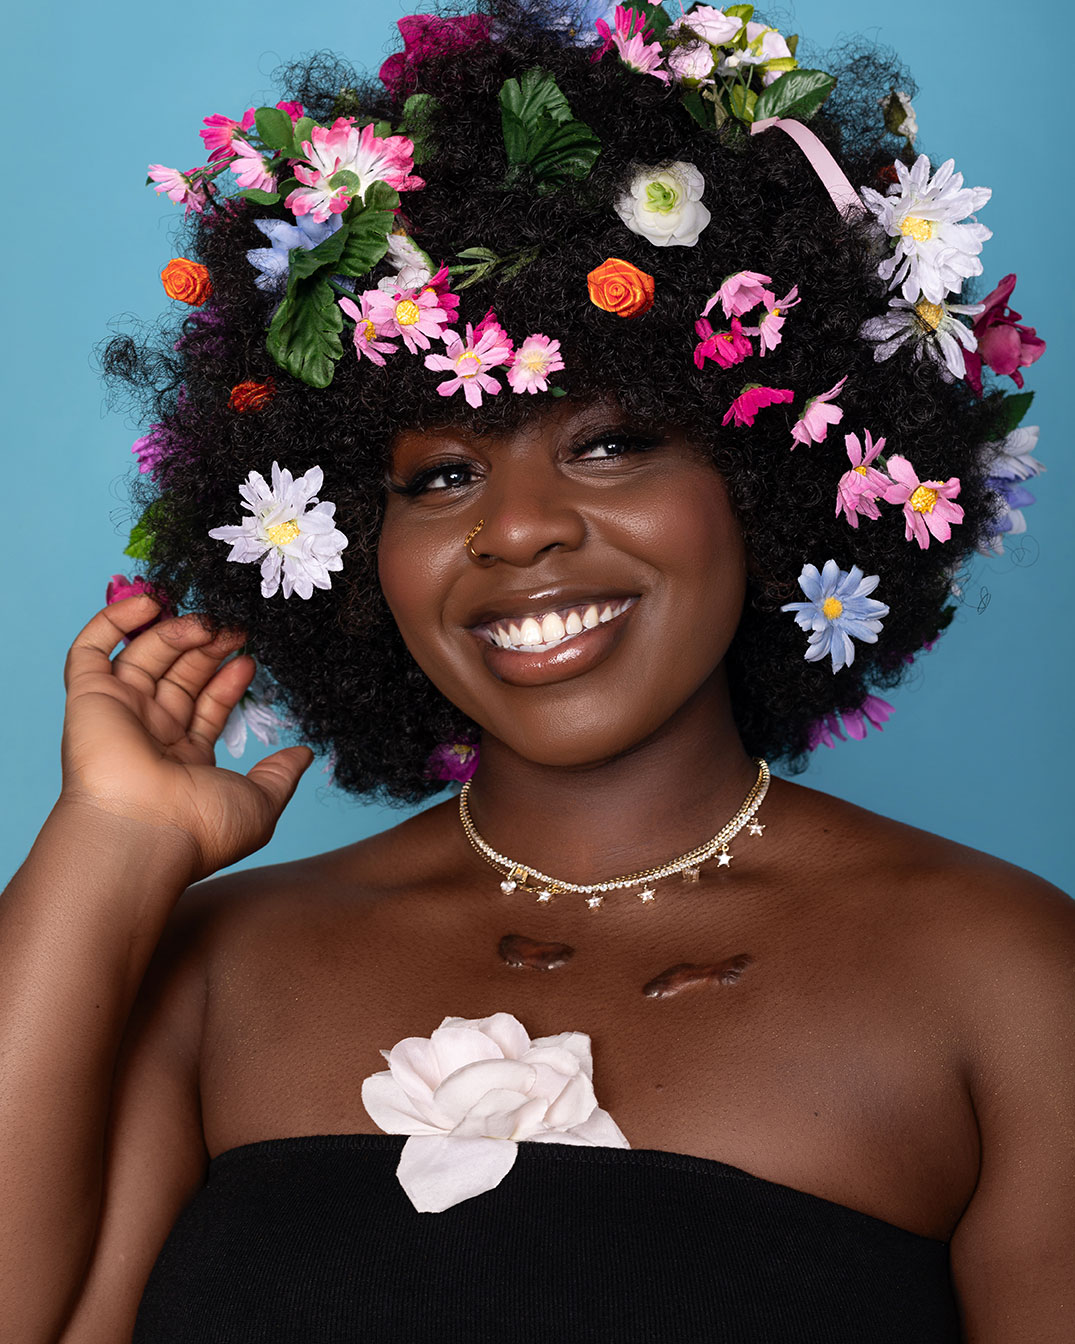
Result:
{"points": [[469, 361], [935, 249], [873, 711], [932, 328], [366, 331], [426, 35], [120, 587], [821, 412], [1002, 343], [620, 287], [178, 187], [471, 1093], [455, 761], [752, 400], [837, 610], [739, 293], [928, 509], [859, 489], [252, 395], [272, 262], [186, 280], [664, 205], [535, 360], [415, 315], [722, 347], [249, 168], [629, 37], [289, 531], [899, 115], [769, 328], [712, 26], [150, 449], [253, 714], [766, 49], [1010, 465], [363, 155], [220, 132], [413, 266]]}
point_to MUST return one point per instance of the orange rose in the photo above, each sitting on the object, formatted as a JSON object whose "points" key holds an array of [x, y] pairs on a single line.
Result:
{"points": [[187, 281], [621, 288], [251, 396]]}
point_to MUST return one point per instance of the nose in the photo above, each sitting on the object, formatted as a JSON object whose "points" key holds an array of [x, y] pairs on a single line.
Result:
{"points": [[528, 514]]}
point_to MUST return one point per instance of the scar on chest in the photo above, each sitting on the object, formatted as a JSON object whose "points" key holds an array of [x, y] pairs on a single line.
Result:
{"points": [[688, 975], [519, 950]]}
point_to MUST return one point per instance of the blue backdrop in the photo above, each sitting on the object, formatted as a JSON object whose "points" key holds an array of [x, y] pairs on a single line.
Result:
{"points": [[977, 749]]}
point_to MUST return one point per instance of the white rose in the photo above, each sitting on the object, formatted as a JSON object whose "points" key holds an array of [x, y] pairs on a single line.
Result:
{"points": [[693, 60], [474, 1090], [664, 205], [709, 23]]}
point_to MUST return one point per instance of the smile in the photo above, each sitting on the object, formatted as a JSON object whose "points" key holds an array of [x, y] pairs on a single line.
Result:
{"points": [[546, 630]]}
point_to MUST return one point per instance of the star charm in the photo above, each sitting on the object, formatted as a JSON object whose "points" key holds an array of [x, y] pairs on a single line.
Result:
{"points": [[646, 895], [544, 897], [594, 901], [756, 828], [724, 859]]}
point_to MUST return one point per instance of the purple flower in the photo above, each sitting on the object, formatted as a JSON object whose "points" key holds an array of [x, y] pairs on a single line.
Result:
{"points": [[453, 760], [150, 450]]}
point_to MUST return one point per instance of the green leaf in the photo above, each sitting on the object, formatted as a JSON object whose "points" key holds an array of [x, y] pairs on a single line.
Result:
{"points": [[274, 128], [562, 152], [369, 223], [303, 263], [304, 336], [419, 114], [303, 131], [537, 94], [346, 178], [140, 543], [793, 43], [558, 391], [743, 12], [699, 108], [656, 18], [289, 185], [798, 94], [260, 197], [1010, 413], [743, 102], [541, 133], [478, 254]]}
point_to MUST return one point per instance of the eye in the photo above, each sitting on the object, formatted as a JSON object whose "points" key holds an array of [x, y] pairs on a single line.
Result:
{"points": [[614, 445], [440, 476]]}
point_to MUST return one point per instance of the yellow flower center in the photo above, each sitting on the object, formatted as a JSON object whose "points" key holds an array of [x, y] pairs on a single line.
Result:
{"points": [[861, 470], [407, 313], [774, 312], [921, 230], [923, 499], [371, 330], [831, 608], [473, 359], [930, 313], [534, 360], [282, 533]]}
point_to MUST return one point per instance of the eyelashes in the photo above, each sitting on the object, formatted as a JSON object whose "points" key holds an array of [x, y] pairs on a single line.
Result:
{"points": [[458, 474]]}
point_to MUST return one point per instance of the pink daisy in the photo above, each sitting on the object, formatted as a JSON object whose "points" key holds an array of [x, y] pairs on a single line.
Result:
{"points": [[178, 187], [536, 358], [813, 424], [739, 293], [768, 329], [249, 168], [340, 148], [723, 347], [221, 132], [366, 332], [414, 314], [927, 505], [753, 399], [439, 285], [873, 710], [469, 362], [859, 489], [630, 39]]}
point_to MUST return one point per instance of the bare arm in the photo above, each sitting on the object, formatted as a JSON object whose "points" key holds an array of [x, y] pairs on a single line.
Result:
{"points": [[143, 812]]}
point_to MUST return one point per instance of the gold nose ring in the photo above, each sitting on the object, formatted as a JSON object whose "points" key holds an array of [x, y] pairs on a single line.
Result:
{"points": [[470, 537]]}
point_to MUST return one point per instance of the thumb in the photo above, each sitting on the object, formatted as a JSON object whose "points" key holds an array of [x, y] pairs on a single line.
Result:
{"points": [[278, 775]]}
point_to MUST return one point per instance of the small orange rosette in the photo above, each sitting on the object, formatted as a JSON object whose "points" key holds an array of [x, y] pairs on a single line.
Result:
{"points": [[619, 287], [251, 396], [187, 281]]}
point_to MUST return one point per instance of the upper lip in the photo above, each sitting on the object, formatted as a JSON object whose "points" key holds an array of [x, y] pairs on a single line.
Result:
{"points": [[515, 606]]}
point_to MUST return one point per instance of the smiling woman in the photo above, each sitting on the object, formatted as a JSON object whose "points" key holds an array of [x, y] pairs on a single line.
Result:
{"points": [[588, 408]]}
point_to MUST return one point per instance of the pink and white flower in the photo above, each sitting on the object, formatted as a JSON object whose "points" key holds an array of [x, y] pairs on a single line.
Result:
{"points": [[629, 38], [221, 132], [469, 362], [740, 293], [366, 332], [250, 168], [769, 328], [752, 400], [927, 505], [178, 187], [722, 347], [821, 412], [340, 148], [470, 1093], [416, 315], [535, 360], [859, 489]]}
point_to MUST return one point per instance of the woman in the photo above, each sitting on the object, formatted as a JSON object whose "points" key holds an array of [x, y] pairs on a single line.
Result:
{"points": [[822, 1034]]}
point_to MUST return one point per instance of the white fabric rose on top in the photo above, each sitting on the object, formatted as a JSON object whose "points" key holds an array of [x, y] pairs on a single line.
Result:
{"points": [[474, 1090], [664, 205]]}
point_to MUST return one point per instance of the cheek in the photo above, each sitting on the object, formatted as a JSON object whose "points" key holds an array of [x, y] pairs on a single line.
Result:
{"points": [[413, 577]]}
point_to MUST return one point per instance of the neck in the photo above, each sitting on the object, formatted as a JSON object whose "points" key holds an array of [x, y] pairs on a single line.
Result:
{"points": [[638, 809]]}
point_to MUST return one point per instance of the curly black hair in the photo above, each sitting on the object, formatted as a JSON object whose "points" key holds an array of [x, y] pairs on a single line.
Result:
{"points": [[342, 667]]}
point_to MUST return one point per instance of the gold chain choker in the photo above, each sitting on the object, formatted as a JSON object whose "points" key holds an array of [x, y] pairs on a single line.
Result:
{"points": [[517, 876]]}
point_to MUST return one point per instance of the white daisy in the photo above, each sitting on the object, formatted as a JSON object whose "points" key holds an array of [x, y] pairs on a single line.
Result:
{"points": [[290, 532], [253, 713], [932, 327], [1009, 464], [935, 251]]}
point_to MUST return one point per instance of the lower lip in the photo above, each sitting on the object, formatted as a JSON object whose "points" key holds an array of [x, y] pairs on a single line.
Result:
{"points": [[570, 659]]}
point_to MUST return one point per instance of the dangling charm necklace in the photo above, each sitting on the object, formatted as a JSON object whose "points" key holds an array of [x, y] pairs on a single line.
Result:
{"points": [[518, 876]]}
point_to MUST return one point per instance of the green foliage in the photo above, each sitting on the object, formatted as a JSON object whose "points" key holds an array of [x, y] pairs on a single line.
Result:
{"points": [[304, 336], [798, 93], [742, 12], [1010, 413], [419, 114], [743, 102], [303, 130], [260, 197], [481, 263], [140, 543], [367, 224], [540, 133], [274, 128], [657, 18]]}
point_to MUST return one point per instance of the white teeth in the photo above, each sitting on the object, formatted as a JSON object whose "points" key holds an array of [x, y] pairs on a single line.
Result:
{"points": [[590, 618], [515, 635], [606, 612], [531, 632], [573, 625], [536, 634], [552, 628]]}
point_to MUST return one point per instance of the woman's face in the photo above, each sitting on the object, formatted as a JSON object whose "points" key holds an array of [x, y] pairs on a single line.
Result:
{"points": [[609, 585]]}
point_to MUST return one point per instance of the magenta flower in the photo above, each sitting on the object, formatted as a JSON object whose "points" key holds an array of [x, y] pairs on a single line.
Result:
{"points": [[536, 358], [752, 400], [859, 489], [453, 760], [813, 425], [414, 314], [426, 35], [490, 322], [341, 148], [769, 328], [179, 187], [448, 301], [629, 37], [824, 731], [739, 293], [221, 132], [150, 449], [723, 347], [366, 331], [927, 505], [119, 587], [250, 168], [469, 361], [1002, 343]]}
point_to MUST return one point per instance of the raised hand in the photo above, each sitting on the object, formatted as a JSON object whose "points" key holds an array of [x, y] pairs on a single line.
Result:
{"points": [[140, 728]]}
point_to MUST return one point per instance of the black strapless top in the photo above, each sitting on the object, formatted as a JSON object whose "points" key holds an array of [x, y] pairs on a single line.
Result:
{"points": [[312, 1241]]}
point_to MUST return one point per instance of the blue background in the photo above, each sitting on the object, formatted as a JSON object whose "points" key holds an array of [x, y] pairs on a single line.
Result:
{"points": [[978, 747]]}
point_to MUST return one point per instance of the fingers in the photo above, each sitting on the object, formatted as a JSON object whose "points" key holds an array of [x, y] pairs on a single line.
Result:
{"points": [[209, 711], [146, 659], [278, 775], [179, 687], [94, 643]]}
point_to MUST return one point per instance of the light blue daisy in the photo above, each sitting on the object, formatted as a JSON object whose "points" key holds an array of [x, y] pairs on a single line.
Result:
{"points": [[837, 611]]}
